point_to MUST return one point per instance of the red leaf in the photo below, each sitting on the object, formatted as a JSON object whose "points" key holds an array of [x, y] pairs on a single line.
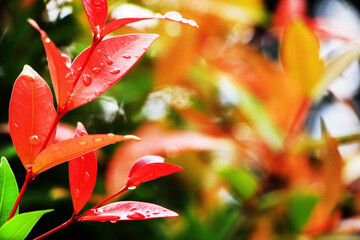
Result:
{"points": [[155, 141], [110, 61], [96, 11], [62, 76], [31, 115], [288, 10], [64, 151], [172, 16], [149, 168], [127, 210], [82, 174]]}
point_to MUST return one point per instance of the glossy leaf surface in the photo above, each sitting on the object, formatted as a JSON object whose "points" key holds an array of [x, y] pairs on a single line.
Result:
{"points": [[8, 190], [148, 168], [82, 174], [111, 60], [172, 16], [127, 210], [96, 11], [31, 115], [302, 65], [20, 226], [59, 65], [64, 151]]}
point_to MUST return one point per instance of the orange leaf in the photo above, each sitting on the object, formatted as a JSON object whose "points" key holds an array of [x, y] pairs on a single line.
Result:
{"points": [[64, 151]]}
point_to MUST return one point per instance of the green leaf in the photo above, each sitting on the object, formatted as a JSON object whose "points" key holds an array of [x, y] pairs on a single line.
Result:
{"points": [[300, 208], [8, 190], [258, 118], [20, 226], [242, 182]]}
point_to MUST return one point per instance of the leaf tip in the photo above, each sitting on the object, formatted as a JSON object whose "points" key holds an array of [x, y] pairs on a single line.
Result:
{"points": [[33, 24], [131, 137]]}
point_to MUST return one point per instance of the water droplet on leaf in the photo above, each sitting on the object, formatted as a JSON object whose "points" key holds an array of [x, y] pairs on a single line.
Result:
{"points": [[96, 70], [47, 40], [132, 209], [82, 143], [156, 212], [115, 71], [109, 60], [87, 80], [97, 2], [175, 16], [136, 216], [132, 187], [34, 139], [98, 93], [98, 210], [113, 221], [126, 56], [192, 23], [98, 139]]}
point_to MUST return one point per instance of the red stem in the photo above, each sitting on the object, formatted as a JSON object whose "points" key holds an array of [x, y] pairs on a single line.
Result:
{"points": [[28, 179], [59, 114], [65, 224], [123, 189]]}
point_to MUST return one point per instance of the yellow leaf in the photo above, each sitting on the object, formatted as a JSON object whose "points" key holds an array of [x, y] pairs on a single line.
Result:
{"points": [[300, 57]]}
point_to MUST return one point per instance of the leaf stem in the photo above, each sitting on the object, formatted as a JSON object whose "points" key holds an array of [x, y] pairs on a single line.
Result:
{"points": [[123, 189], [95, 42], [65, 224], [59, 115], [28, 179]]}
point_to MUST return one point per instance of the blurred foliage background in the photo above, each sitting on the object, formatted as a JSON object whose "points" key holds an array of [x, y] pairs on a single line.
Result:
{"points": [[237, 103]]}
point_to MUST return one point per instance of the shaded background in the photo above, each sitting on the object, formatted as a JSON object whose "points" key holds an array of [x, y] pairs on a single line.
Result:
{"points": [[182, 99]]}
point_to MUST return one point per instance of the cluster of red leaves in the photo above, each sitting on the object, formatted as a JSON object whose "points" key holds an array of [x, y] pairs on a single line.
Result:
{"points": [[33, 118]]}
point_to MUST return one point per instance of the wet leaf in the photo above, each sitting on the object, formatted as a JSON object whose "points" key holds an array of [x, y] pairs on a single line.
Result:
{"points": [[64, 151], [62, 77], [8, 190], [31, 114], [82, 174], [120, 22], [20, 226], [127, 210], [96, 11], [110, 61], [149, 168]]}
